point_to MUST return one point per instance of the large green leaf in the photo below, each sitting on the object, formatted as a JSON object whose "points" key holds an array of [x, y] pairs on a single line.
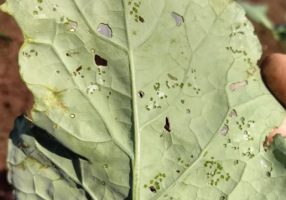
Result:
{"points": [[149, 99]]}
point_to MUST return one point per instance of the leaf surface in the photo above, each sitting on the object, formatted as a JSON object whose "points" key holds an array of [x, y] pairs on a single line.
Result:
{"points": [[152, 99]]}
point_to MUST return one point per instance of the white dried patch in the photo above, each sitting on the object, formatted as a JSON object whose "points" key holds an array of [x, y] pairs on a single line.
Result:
{"points": [[149, 106], [238, 85], [92, 88], [224, 130], [101, 67], [160, 94], [178, 19], [104, 29], [245, 137], [233, 114], [265, 164], [100, 81]]}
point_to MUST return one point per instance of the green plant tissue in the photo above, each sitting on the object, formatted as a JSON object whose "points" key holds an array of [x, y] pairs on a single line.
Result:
{"points": [[142, 100]]}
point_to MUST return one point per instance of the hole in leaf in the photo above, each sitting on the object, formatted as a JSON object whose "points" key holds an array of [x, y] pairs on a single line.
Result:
{"points": [[179, 19], [153, 189], [141, 94], [104, 29], [224, 130], [238, 85], [99, 61], [71, 25], [167, 126], [233, 114]]}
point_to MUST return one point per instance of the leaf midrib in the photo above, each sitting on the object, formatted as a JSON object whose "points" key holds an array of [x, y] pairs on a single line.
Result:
{"points": [[137, 143]]}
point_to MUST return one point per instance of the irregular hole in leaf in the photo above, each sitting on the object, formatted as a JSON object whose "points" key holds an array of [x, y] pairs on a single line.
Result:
{"points": [[233, 113], [238, 85], [104, 29], [153, 189], [224, 130], [71, 25], [179, 19], [167, 125], [141, 94], [99, 61]]}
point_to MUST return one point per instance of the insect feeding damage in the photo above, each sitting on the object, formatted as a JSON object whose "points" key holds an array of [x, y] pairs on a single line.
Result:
{"points": [[178, 18], [105, 30], [167, 126], [100, 61]]}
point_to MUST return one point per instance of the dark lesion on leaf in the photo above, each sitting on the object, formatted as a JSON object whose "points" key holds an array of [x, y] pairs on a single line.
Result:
{"points": [[153, 189], [141, 94], [167, 125], [100, 61], [141, 19], [79, 69]]}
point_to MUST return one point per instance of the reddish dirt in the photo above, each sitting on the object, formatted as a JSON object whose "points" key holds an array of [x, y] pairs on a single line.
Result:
{"points": [[277, 14], [16, 99], [14, 96]]}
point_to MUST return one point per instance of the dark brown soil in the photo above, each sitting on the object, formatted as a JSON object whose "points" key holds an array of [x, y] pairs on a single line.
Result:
{"points": [[14, 96], [277, 14], [16, 99]]}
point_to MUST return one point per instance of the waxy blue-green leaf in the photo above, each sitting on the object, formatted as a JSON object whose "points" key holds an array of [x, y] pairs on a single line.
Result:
{"points": [[156, 100]]}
